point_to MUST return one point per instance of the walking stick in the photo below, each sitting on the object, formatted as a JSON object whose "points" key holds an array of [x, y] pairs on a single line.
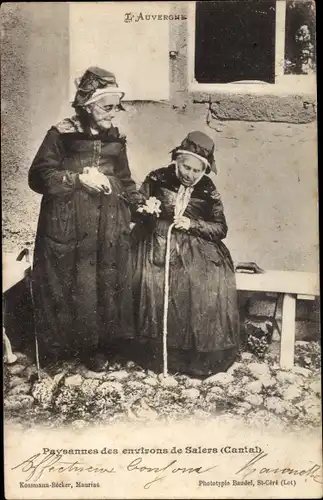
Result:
{"points": [[29, 278], [166, 298], [35, 330]]}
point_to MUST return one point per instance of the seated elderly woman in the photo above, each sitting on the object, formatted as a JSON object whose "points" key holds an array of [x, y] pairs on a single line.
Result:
{"points": [[202, 317]]}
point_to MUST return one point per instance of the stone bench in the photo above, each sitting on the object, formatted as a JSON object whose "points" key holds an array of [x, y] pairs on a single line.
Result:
{"points": [[292, 285]]}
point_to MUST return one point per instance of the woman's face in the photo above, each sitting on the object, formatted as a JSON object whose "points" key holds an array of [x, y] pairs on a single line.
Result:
{"points": [[102, 114], [189, 169]]}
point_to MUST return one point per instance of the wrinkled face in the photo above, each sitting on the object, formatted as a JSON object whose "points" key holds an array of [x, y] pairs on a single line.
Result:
{"points": [[189, 169], [102, 114]]}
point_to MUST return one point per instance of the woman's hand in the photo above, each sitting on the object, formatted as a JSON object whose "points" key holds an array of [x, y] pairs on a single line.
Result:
{"points": [[182, 223], [95, 182], [90, 185]]}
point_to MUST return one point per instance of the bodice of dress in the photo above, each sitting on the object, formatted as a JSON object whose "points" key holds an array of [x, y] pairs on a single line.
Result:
{"points": [[67, 149], [204, 209], [164, 185], [82, 151]]}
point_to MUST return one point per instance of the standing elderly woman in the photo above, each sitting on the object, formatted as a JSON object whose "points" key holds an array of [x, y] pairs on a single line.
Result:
{"points": [[82, 261], [203, 323]]}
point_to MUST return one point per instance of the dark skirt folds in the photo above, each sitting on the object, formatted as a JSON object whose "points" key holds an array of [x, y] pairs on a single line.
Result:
{"points": [[203, 320], [82, 273]]}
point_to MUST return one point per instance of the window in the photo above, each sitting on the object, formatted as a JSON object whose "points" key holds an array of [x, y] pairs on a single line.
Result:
{"points": [[255, 42], [235, 41]]}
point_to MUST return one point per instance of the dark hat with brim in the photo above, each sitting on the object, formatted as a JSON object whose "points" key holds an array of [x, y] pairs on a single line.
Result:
{"points": [[94, 83], [199, 145]]}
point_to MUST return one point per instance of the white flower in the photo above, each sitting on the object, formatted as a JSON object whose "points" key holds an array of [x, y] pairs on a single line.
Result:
{"points": [[152, 206]]}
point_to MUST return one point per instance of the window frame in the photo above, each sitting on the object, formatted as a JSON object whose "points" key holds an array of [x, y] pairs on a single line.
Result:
{"points": [[283, 83]]}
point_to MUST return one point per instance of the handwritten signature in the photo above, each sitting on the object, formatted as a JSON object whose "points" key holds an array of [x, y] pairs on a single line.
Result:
{"points": [[313, 472], [136, 465], [36, 465], [54, 463]]}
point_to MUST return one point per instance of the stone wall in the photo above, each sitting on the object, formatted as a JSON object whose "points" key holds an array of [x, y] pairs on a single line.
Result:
{"points": [[34, 95]]}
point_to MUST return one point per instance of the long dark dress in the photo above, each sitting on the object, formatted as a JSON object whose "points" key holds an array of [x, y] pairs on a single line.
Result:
{"points": [[203, 322], [82, 261]]}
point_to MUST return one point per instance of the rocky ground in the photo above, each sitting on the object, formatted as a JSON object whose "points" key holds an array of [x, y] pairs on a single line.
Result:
{"points": [[255, 390]]}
